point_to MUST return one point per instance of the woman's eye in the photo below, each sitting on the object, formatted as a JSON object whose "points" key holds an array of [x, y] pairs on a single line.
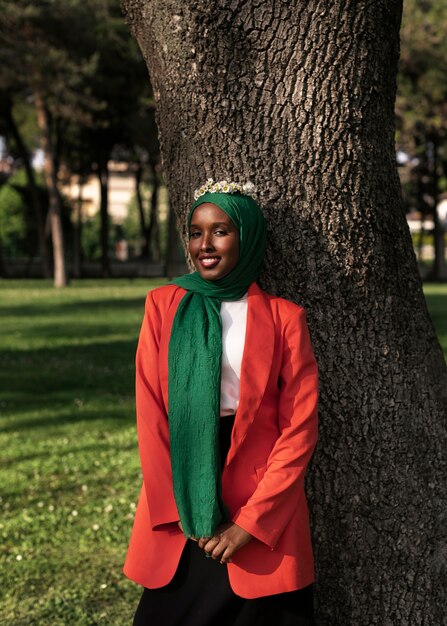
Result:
{"points": [[194, 235], [220, 232]]}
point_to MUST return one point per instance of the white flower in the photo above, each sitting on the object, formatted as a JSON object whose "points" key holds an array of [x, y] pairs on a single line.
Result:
{"points": [[95, 526], [19, 557], [74, 513], [224, 186]]}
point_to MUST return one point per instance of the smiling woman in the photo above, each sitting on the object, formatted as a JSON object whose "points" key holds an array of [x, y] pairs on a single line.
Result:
{"points": [[227, 390], [213, 242]]}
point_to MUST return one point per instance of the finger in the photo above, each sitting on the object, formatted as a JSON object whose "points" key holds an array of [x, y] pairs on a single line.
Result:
{"points": [[211, 544], [226, 556], [203, 541], [219, 549]]}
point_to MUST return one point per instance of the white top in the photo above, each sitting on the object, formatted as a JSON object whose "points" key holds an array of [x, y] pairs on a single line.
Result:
{"points": [[234, 324]]}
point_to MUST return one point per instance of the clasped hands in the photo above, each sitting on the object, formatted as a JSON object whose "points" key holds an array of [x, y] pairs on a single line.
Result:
{"points": [[225, 542]]}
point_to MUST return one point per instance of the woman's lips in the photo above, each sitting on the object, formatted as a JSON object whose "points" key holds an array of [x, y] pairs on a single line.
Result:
{"points": [[209, 262]]}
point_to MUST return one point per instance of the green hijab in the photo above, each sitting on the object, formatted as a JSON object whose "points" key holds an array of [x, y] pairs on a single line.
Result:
{"points": [[194, 369]]}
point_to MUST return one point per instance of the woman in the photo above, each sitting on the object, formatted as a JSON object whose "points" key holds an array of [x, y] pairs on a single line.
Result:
{"points": [[223, 475]]}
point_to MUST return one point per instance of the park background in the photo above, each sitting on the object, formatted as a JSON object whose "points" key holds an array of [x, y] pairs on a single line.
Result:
{"points": [[82, 188]]}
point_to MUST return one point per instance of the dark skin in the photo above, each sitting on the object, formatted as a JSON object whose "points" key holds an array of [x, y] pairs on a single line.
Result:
{"points": [[214, 250]]}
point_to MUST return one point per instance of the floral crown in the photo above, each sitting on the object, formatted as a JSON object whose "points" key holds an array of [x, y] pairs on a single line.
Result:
{"points": [[224, 186]]}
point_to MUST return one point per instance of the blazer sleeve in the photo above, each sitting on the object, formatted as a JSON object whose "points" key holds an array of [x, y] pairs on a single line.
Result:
{"points": [[267, 512], [152, 423]]}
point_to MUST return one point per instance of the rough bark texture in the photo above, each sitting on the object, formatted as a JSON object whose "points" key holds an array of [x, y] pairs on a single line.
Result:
{"points": [[298, 97]]}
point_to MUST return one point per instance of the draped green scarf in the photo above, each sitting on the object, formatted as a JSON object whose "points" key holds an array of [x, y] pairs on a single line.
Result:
{"points": [[194, 369]]}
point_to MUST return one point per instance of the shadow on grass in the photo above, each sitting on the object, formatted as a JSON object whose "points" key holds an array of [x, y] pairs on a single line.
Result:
{"points": [[46, 380], [81, 331], [75, 306], [63, 419]]}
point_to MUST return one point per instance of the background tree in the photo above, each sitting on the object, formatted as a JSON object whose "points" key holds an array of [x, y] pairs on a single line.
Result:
{"points": [[421, 108], [78, 65], [47, 53], [18, 145], [299, 98]]}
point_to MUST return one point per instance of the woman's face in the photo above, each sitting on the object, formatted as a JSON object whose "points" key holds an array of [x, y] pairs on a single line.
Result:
{"points": [[213, 242]]}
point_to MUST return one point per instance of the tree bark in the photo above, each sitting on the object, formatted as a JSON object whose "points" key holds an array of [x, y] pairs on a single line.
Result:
{"points": [[3, 270], [77, 247], [298, 97], [60, 272], [32, 187]]}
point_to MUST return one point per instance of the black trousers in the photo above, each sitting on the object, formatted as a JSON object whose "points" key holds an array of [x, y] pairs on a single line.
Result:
{"points": [[200, 593]]}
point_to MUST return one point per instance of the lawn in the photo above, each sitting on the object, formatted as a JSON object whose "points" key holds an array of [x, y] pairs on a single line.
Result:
{"points": [[69, 458], [70, 467], [436, 296]]}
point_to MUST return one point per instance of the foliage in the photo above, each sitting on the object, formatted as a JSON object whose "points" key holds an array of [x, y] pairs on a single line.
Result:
{"points": [[81, 59], [91, 247], [422, 95], [131, 225], [421, 104], [12, 217], [17, 227]]}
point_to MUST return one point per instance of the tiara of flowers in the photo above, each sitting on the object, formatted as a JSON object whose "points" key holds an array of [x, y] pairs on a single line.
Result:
{"points": [[224, 186]]}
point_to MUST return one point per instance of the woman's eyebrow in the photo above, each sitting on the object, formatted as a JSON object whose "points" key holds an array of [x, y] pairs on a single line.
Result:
{"points": [[213, 224]]}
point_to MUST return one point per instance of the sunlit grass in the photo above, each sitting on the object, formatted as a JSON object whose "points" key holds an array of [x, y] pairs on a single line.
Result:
{"points": [[69, 457]]}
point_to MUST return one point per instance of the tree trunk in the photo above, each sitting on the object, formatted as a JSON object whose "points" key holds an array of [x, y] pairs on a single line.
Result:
{"points": [[32, 187], [77, 247], [3, 270], [60, 272], [103, 174], [298, 97]]}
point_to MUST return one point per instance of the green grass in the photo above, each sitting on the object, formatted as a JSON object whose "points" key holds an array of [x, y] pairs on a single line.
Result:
{"points": [[69, 457], [436, 296]]}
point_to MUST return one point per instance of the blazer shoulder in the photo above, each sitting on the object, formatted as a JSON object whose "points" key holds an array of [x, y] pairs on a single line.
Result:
{"points": [[165, 295], [161, 300]]}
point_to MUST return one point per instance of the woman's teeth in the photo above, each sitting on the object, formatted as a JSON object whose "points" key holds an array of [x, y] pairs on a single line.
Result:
{"points": [[209, 261]]}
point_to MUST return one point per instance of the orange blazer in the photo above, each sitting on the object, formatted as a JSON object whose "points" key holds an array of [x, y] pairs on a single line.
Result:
{"points": [[274, 435]]}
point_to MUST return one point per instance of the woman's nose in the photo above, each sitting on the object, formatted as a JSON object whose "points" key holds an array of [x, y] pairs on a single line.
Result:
{"points": [[207, 243]]}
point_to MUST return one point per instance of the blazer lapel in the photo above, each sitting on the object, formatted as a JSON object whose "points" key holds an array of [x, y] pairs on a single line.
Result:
{"points": [[256, 364], [168, 320]]}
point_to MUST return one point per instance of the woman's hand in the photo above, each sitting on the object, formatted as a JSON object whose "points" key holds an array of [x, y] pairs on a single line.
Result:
{"points": [[225, 542]]}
